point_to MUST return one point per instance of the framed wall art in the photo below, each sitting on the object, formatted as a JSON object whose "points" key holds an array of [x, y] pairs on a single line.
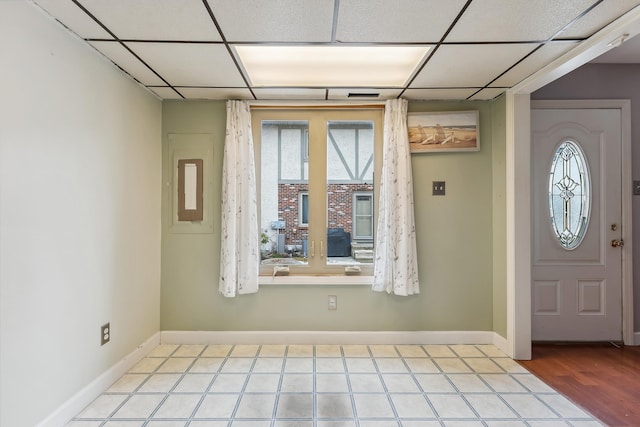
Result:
{"points": [[436, 132]]}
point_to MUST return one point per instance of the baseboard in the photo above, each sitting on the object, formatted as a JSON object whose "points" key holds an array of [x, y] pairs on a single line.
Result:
{"points": [[88, 394], [333, 337], [636, 338]]}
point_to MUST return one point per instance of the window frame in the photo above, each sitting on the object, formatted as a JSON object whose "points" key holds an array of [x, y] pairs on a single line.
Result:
{"points": [[355, 195], [318, 119]]}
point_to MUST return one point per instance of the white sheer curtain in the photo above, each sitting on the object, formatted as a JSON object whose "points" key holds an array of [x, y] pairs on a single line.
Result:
{"points": [[396, 266], [239, 246]]}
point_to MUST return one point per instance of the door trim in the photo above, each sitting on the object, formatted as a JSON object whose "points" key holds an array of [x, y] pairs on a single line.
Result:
{"points": [[624, 105]]}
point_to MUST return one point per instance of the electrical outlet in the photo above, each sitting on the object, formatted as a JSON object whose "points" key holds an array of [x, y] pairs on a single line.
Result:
{"points": [[333, 302], [636, 188], [105, 333]]}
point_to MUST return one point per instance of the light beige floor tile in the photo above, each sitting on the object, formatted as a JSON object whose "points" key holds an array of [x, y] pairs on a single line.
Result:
{"points": [[206, 364], [450, 406], [410, 423], [532, 383], [469, 383], [127, 383], [272, 351], [503, 383], [160, 383], [505, 424], [421, 365], [411, 351], [383, 351], [339, 423], [263, 383], [300, 383], [452, 365], [256, 406], [439, 351], [209, 424], [467, 423], [379, 423], [300, 351], [163, 350], [491, 350], [228, 383], [527, 406], [82, 423], [391, 365], [271, 364], [162, 423], [297, 423], [103, 406], [412, 406], [329, 364], [563, 406], [549, 424], [400, 383], [490, 406], [237, 364], [118, 423], [466, 351], [334, 406], [362, 383], [194, 383], [355, 351], [328, 351], [189, 351], [217, 350], [217, 406], [331, 383], [355, 365], [434, 383], [299, 364], [295, 406], [139, 406], [176, 364], [586, 424], [251, 423], [483, 364], [373, 406], [178, 406], [147, 365], [245, 351], [510, 365]]}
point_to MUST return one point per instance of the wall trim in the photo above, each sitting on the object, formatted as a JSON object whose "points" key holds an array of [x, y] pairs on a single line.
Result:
{"points": [[333, 337], [95, 388], [636, 338]]}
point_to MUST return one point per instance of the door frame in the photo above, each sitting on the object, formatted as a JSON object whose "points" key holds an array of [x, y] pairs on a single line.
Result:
{"points": [[624, 106]]}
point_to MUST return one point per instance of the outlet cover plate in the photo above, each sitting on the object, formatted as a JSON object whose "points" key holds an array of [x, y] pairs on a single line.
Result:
{"points": [[105, 333], [438, 188]]}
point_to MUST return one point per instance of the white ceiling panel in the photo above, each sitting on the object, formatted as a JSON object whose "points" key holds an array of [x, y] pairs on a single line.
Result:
{"points": [[395, 21], [451, 65], [125, 60], [274, 21], [289, 93], [73, 18], [437, 94], [486, 94], [186, 20], [601, 15], [515, 20], [344, 93], [188, 64], [533, 63], [214, 93], [165, 92]]}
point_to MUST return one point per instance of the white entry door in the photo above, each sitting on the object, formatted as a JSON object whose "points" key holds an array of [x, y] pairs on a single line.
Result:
{"points": [[577, 225]]}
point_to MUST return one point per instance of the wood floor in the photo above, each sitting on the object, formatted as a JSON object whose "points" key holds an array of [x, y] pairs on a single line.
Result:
{"points": [[602, 379]]}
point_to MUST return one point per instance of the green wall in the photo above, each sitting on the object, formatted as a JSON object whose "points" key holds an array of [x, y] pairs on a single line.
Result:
{"points": [[455, 248]]}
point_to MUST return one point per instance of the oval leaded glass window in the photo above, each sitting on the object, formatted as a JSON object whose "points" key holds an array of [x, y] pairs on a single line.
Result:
{"points": [[569, 189]]}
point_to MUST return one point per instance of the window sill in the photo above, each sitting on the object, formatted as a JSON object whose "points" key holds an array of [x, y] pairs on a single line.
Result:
{"points": [[316, 280]]}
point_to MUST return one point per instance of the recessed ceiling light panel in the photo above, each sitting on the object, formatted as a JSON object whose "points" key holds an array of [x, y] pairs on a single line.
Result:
{"points": [[333, 66]]}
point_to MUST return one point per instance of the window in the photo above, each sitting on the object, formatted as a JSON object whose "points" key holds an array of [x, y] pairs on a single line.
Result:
{"points": [[569, 204], [317, 183]]}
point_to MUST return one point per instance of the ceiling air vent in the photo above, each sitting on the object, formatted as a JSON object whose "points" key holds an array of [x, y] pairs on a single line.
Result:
{"points": [[362, 95]]}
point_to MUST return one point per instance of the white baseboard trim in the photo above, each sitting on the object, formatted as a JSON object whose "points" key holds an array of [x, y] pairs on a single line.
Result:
{"points": [[333, 337], [636, 338], [88, 394]]}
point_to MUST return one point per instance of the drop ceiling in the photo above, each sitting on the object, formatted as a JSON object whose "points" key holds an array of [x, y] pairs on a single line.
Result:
{"points": [[186, 49]]}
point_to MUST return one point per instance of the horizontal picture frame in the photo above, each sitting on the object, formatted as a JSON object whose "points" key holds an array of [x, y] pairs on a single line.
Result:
{"points": [[443, 131]]}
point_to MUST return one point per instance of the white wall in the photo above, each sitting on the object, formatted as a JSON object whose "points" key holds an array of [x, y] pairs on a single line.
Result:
{"points": [[80, 177]]}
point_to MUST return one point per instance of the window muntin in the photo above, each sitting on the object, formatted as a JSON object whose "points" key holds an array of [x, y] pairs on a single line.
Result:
{"points": [[341, 148], [569, 194]]}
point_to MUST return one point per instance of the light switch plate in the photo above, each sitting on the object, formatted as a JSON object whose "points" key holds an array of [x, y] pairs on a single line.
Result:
{"points": [[438, 188]]}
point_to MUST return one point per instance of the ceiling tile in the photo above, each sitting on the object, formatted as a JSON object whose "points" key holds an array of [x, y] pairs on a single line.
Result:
{"points": [[289, 93], [469, 65], [603, 14], [487, 94], [515, 20], [214, 93], [270, 21], [155, 19], [189, 64], [73, 18], [395, 21], [437, 94], [343, 93], [534, 62], [125, 60], [165, 92]]}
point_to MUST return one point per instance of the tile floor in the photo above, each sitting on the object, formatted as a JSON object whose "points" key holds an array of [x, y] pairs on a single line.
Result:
{"points": [[330, 386]]}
